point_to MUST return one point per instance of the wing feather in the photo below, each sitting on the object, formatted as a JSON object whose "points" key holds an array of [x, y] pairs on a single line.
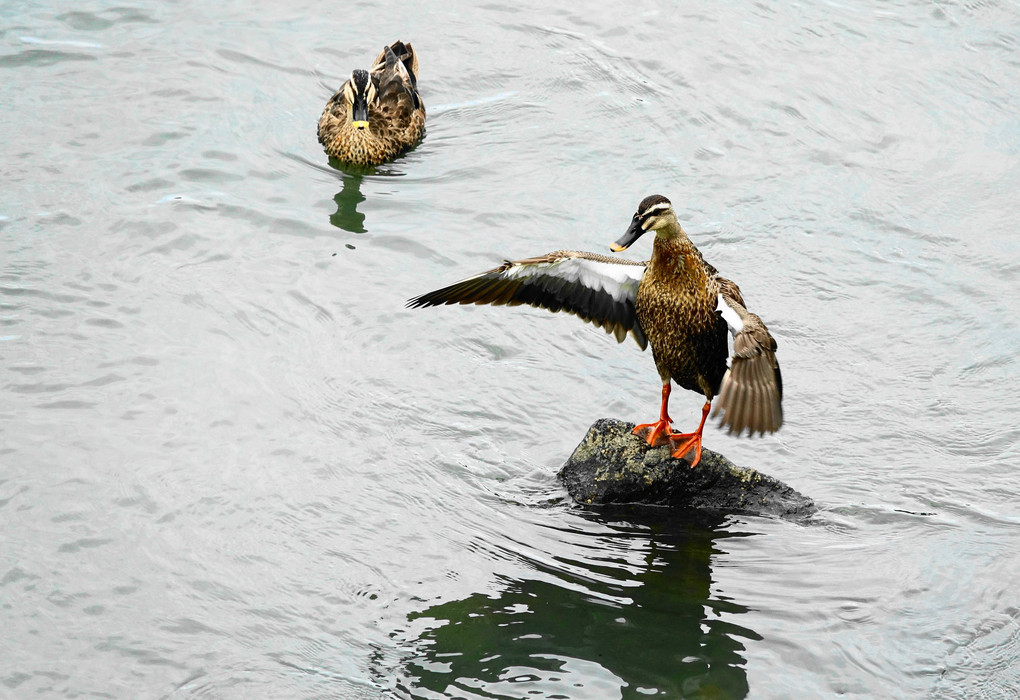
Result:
{"points": [[751, 392], [395, 71], [595, 288]]}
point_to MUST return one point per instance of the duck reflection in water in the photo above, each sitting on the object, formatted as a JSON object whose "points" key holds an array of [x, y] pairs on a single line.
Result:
{"points": [[347, 216], [639, 620]]}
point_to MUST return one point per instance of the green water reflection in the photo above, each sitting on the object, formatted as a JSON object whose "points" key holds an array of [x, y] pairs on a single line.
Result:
{"points": [[347, 216], [640, 624]]}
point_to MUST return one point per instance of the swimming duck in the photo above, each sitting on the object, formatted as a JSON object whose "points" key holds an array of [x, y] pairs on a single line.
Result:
{"points": [[376, 115], [676, 302]]}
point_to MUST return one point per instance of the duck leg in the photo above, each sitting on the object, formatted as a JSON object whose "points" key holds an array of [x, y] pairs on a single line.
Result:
{"points": [[660, 431], [683, 443]]}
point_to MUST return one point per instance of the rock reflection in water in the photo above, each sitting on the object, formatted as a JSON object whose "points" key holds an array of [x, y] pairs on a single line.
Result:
{"points": [[647, 625]]}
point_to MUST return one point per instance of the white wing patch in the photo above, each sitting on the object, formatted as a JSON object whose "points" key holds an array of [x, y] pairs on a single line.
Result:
{"points": [[595, 288], [619, 281], [731, 317]]}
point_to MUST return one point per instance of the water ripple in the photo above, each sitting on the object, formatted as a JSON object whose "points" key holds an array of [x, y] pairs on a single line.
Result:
{"points": [[233, 461]]}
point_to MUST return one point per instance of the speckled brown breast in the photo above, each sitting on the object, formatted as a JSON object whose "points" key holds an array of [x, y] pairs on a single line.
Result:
{"points": [[378, 144], [676, 305]]}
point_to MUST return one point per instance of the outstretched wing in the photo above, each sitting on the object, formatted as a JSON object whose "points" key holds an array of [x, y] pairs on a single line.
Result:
{"points": [[751, 392], [596, 288]]}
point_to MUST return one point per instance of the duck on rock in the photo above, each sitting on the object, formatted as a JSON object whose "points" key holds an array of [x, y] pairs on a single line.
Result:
{"points": [[376, 115], [676, 302]]}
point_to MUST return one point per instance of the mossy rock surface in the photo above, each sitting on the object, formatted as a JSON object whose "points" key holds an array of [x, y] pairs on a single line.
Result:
{"points": [[614, 466]]}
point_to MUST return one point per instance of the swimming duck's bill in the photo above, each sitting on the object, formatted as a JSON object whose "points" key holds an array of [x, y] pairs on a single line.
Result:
{"points": [[359, 112]]}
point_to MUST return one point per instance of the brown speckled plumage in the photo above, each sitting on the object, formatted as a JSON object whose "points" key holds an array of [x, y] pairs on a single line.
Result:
{"points": [[396, 114], [676, 305]]}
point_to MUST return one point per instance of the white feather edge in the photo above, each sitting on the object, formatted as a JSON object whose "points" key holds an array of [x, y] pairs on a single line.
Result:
{"points": [[731, 317], [619, 281]]}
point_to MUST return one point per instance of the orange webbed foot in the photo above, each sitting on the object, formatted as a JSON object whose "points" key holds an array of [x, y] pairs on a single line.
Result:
{"points": [[661, 432], [683, 443], [655, 434]]}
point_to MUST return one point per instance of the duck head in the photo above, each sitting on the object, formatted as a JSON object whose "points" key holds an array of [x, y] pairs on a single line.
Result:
{"points": [[655, 213], [360, 92]]}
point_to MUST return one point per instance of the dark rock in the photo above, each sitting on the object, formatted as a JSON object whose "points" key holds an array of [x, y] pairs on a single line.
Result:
{"points": [[614, 466]]}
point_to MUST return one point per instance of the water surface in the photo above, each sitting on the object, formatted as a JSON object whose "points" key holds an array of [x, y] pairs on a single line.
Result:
{"points": [[232, 464]]}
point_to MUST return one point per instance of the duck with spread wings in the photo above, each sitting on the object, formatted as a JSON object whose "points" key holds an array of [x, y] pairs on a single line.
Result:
{"points": [[676, 302]]}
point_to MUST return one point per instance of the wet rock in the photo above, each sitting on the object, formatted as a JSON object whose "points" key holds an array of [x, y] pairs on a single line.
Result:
{"points": [[614, 466]]}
